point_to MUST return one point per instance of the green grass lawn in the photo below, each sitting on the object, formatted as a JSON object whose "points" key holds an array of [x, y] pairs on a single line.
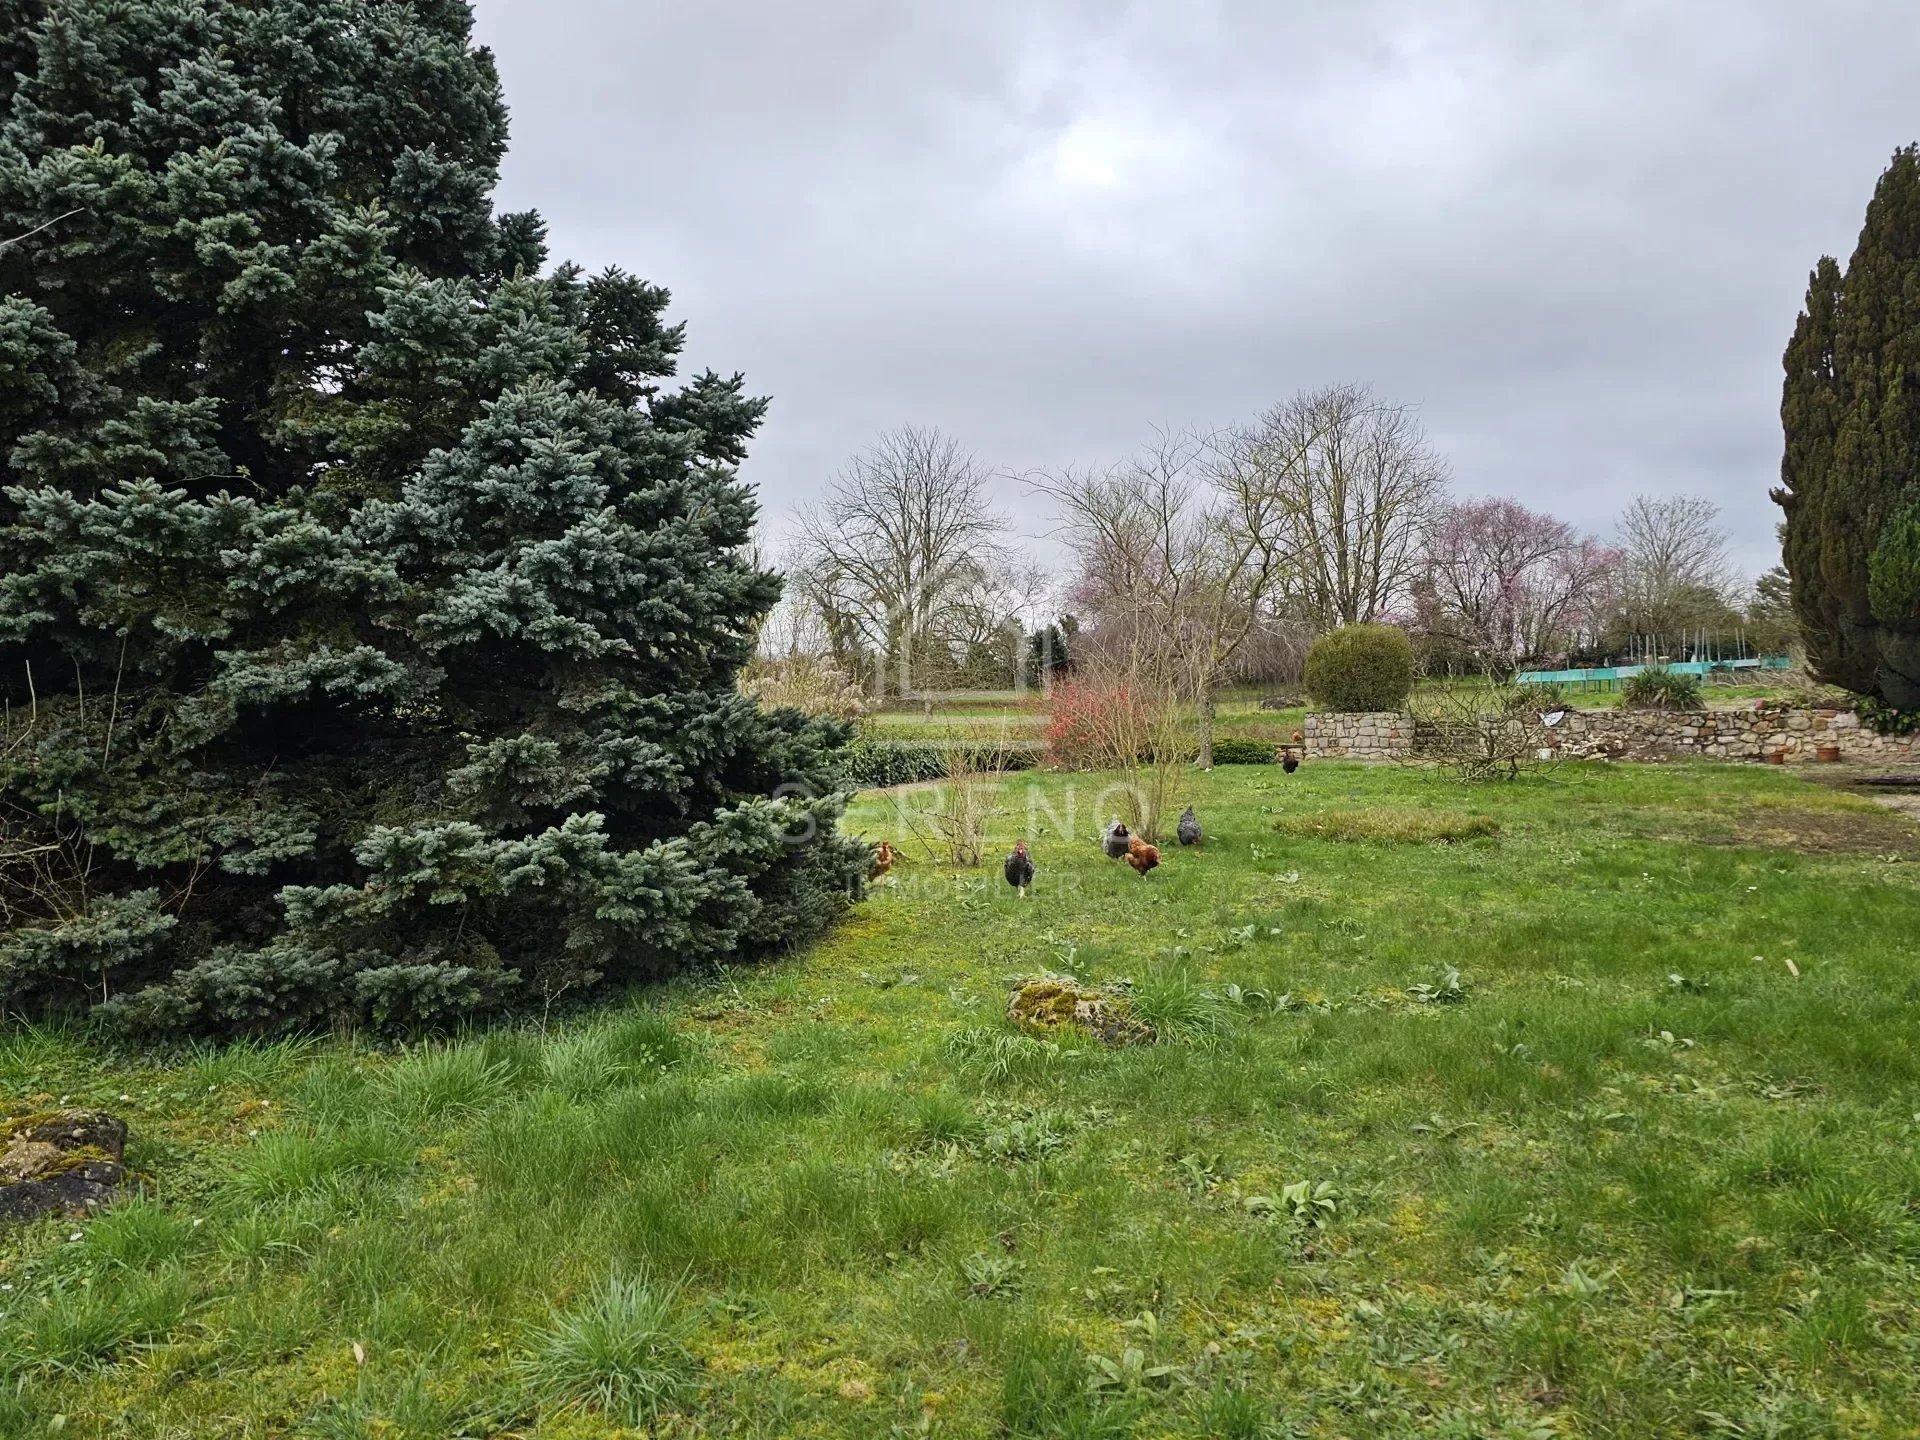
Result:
{"points": [[1238, 714], [1624, 1174]]}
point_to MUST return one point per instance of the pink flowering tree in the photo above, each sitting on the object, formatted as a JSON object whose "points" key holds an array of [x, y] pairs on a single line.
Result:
{"points": [[1513, 586]]}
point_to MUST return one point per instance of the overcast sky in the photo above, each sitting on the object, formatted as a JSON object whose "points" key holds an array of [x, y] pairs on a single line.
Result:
{"points": [[1575, 235]]}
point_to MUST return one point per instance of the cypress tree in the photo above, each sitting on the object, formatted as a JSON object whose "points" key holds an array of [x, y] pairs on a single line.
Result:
{"points": [[1850, 409], [370, 603]]}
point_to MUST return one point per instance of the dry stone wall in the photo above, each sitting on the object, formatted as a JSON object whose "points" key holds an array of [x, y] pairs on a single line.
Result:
{"points": [[1360, 735], [1724, 732]]}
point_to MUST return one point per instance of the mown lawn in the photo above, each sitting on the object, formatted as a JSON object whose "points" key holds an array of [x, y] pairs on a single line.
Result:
{"points": [[1625, 1174]]}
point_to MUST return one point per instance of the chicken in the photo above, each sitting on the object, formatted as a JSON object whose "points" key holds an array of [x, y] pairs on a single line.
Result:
{"points": [[1142, 856], [1019, 869], [1189, 829], [882, 861], [1289, 761], [1114, 842]]}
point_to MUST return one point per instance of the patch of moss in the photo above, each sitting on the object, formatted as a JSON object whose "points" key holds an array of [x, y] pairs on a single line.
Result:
{"points": [[29, 1121], [1048, 1006], [73, 1159]]}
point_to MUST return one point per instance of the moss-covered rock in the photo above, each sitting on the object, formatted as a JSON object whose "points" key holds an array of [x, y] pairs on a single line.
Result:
{"points": [[60, 1162], [1050, 1005]]}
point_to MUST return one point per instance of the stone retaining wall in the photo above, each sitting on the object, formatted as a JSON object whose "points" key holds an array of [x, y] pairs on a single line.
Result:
{"points": [[1722, 732], [1360, 735]]}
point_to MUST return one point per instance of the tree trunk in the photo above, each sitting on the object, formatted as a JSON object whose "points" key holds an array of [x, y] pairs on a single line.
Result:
{"points": [[1206, 726]]}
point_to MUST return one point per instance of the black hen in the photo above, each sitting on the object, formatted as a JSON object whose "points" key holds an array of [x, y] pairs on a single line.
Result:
{"points": [[1114, 842], [1289, 762], [1019, 868], [1189, 829]]}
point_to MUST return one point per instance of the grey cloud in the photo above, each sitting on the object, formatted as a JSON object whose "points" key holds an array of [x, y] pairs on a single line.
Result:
{"points": [[1575, 235]]}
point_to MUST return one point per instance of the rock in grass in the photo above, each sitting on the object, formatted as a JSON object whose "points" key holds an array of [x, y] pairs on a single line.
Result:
{"points": [[64, 1162], [1046, 1007]]}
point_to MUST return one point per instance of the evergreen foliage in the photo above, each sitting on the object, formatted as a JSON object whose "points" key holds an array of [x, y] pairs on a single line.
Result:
{"points": [[370, 607], [1850, 475], [1361, 667], [1238, 750], [1050, 650]]}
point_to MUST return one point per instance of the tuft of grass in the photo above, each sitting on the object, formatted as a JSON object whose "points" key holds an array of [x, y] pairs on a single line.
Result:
{"points": [[284, 1164], [138, 1233], [1839, 1210], [74, 1326], [1044, 1394], [1182, 1008], [620, 1351], [997, 1055], [247, 1064], [439, 1082], [942, 1118], [1382, 825], [586, 1065]]}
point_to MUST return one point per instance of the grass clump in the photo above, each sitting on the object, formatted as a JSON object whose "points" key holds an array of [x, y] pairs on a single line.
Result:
{"points": [[1384, 826], [620, 1351], [1181, 1007]]}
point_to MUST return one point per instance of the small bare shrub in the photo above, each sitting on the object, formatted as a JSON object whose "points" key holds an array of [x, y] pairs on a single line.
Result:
{"points": [[953, 823], [1473, 730]]}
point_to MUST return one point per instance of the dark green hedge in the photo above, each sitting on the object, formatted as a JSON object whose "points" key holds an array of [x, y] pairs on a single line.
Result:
{"points": [[1234, 750], [872, 764]]}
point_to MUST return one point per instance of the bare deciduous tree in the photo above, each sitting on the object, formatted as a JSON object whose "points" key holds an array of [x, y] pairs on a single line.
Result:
{"points": [[1349, 487], [898, 555], [1175, 563], [1675, 572]]}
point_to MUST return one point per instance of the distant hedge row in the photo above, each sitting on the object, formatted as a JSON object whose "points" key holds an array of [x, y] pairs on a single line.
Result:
{"points": [[1234, 750], [873, 764]]}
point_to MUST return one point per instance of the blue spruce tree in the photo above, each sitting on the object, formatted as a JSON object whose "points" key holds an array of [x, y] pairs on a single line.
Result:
{"points": [[370, 602]]}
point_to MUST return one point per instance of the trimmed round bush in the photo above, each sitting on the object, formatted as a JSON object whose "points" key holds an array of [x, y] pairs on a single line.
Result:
{"points": [[1361, 667]]}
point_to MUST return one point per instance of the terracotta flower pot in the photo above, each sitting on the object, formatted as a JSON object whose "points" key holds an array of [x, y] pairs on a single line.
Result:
{"points": [[1827, 754], [1776, 757]]}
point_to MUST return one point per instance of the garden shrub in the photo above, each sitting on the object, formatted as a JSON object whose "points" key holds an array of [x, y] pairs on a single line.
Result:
{"points": [[1085, 723], [873, 763], [1658, 688], [1885, 719], [1361, 667], [1235, 750], [1537, 695]]}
